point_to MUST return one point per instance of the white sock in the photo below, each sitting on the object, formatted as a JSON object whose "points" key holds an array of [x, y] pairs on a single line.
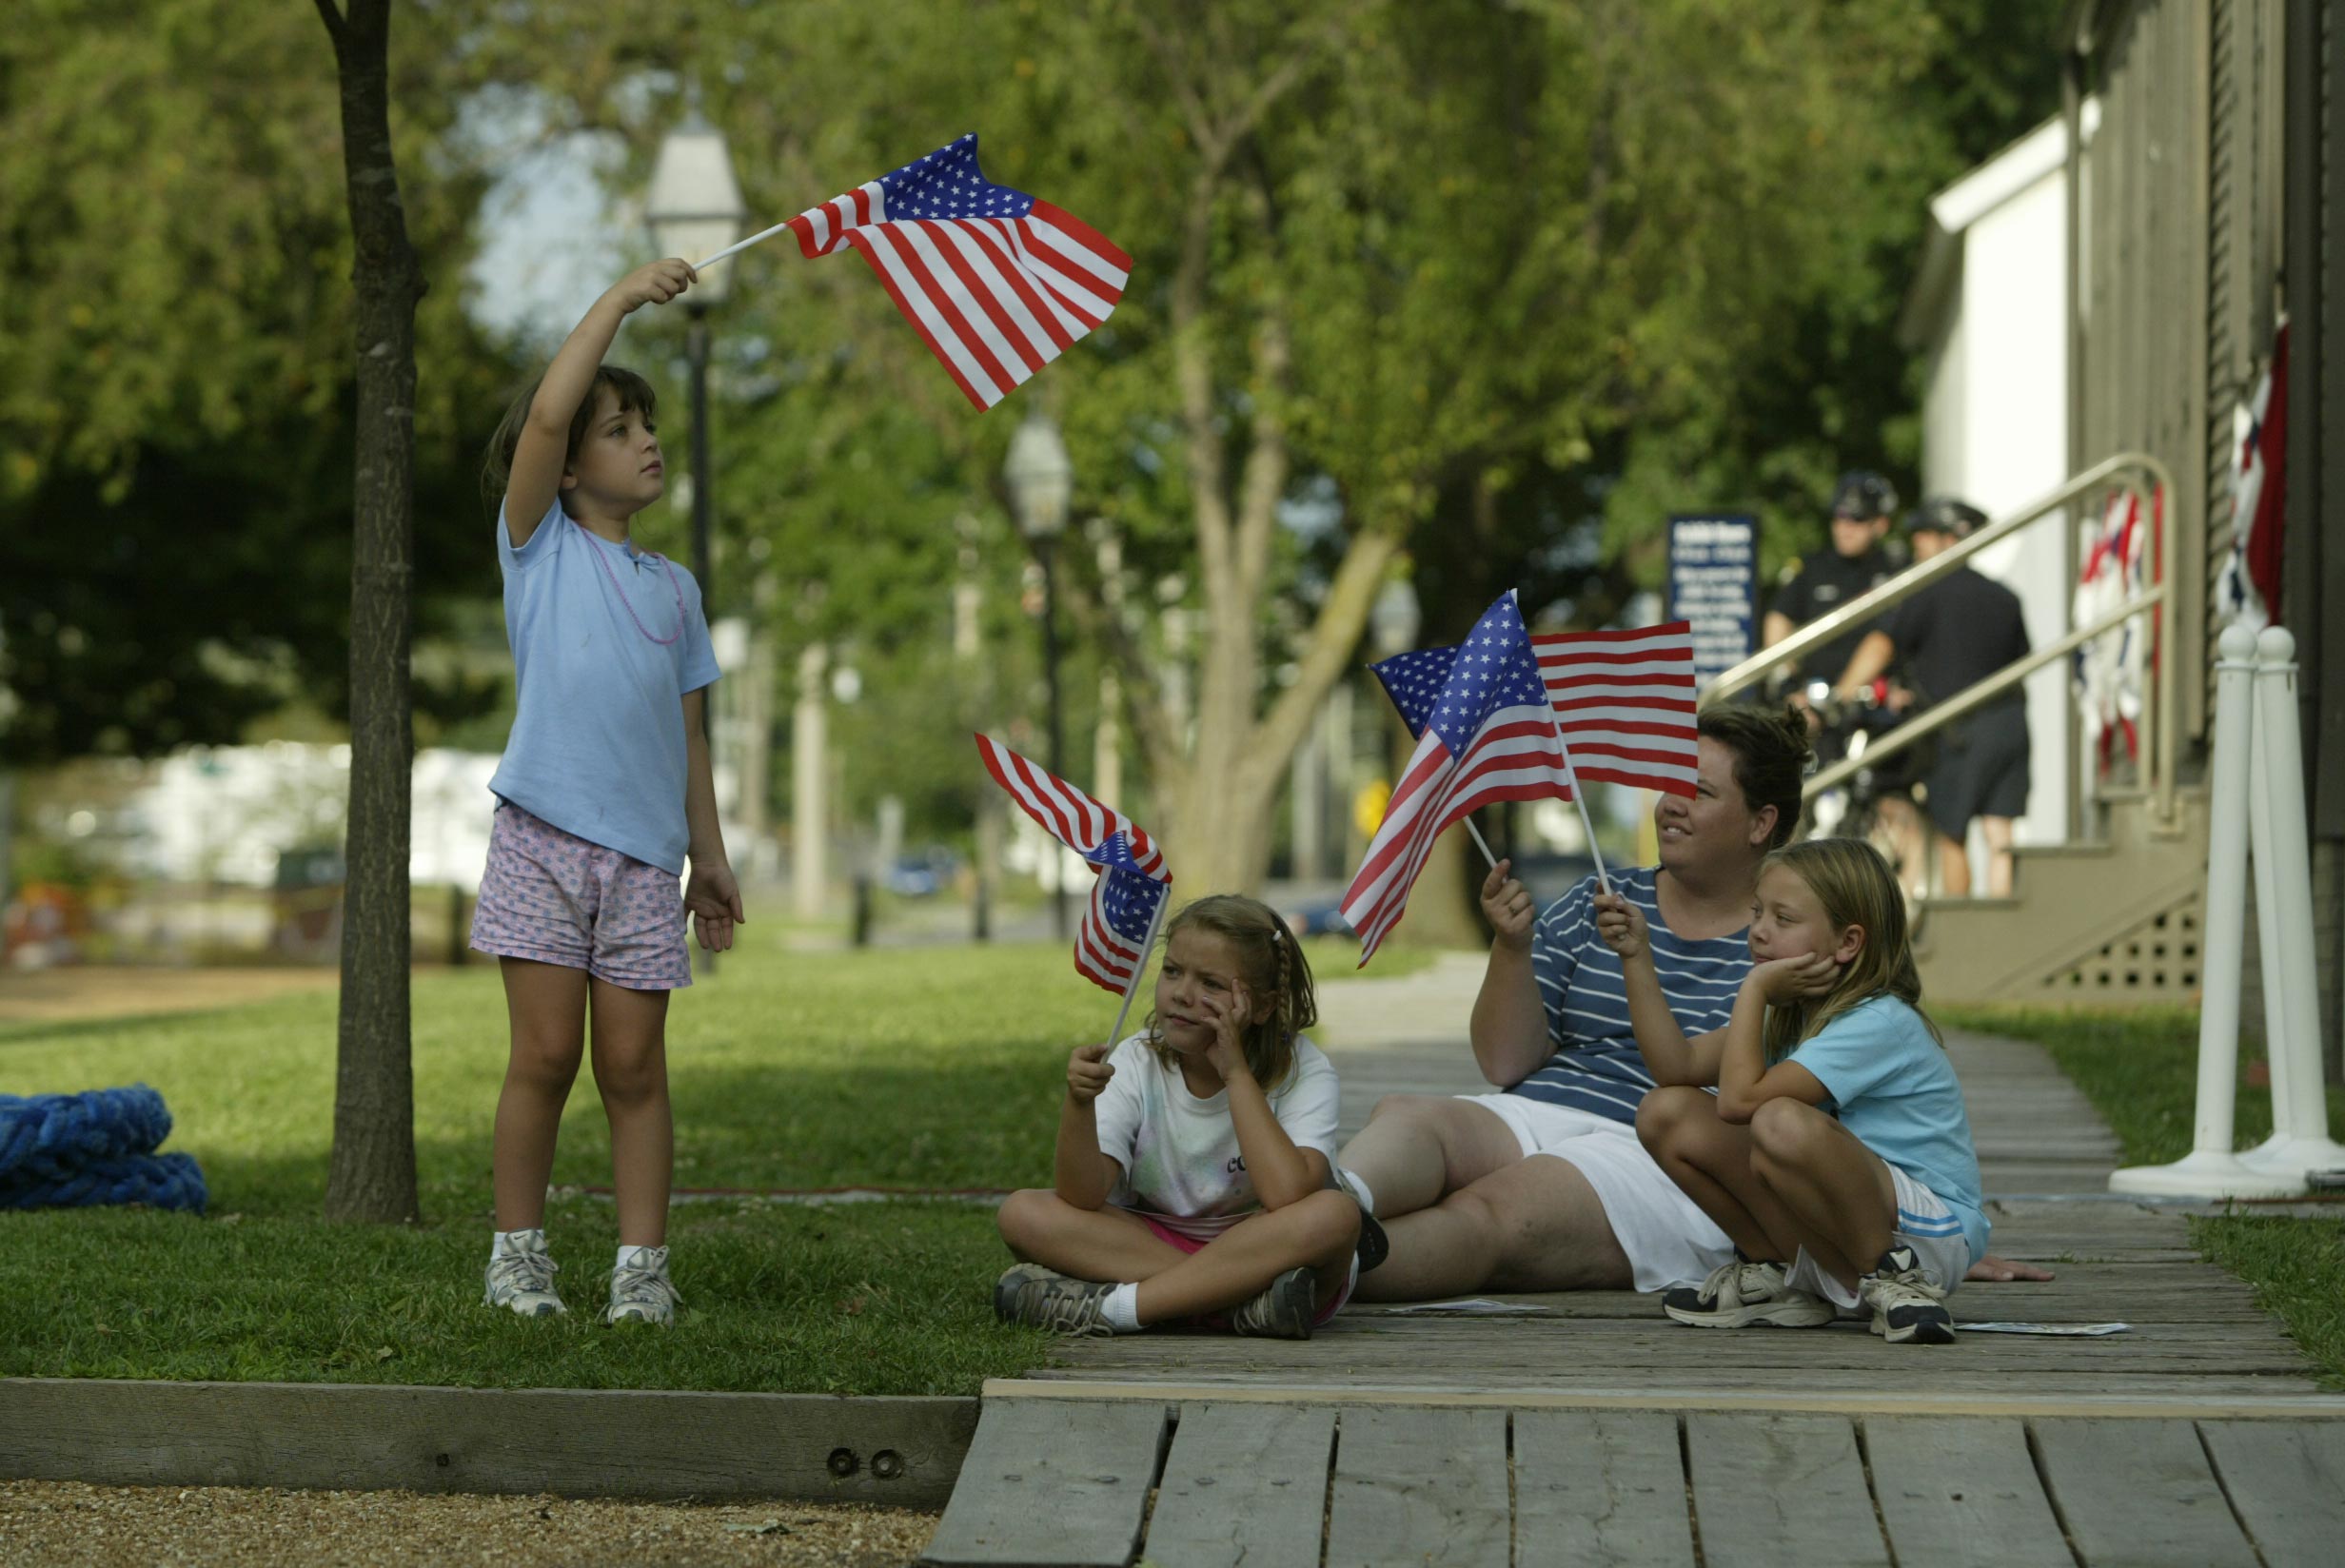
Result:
{"points": [[1359, 1187], [509, 1241], [1122, 1309], [628, 1255]]}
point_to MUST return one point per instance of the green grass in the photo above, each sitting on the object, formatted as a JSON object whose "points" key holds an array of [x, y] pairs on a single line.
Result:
{"points": [[2140, 1071], [923, 1067]]}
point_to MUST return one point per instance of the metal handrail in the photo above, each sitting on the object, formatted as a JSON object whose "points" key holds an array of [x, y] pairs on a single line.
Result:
{"points": [[1914, 578], [1975, 695]]}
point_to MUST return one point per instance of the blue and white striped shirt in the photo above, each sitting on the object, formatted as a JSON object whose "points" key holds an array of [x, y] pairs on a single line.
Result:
{"points": [[1596, 1066]]}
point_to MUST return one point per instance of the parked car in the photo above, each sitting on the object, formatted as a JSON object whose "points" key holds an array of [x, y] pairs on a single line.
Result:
{"points": [[922, 873]]}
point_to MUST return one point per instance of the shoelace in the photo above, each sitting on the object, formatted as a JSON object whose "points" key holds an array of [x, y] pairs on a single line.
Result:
{"points": [[524, 1272], [641, 1285]]}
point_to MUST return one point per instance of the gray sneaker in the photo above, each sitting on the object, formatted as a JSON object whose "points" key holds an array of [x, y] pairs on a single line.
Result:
{"points": [[523, 1279], [1047, 1299], [641, 1293], [1908, 1308], [1284, 1310]]}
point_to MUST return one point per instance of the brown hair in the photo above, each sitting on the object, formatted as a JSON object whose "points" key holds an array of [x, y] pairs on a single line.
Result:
{"points": [[1274, 967], [1855, 888], [1771, 754], [635, 396]]}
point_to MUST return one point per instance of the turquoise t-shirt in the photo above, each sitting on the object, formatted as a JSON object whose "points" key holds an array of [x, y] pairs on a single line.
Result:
{"points": [[606, 640], [1892, 1085]]}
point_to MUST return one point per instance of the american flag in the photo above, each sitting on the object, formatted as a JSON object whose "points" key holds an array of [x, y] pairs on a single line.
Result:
{"points": [[996, 280], [1626, 703], [1485, 734], [1130, 876]]}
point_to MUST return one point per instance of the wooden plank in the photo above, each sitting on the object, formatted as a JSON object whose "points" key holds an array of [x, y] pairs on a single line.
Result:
{"points": [[1419, 1486], [639, 1443], [1772, 1489], [1243, 1484], [2206, 1399], [2286, 1482], [1959, 1491], [1064, 1486], [1600, 1486], [2140, 1494]]}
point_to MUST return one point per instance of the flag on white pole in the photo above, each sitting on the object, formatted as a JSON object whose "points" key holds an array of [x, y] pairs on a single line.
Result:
{"points": [[1111, 945]]}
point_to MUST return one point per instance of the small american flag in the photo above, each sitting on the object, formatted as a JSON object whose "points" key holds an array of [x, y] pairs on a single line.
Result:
{"points": [[1485, 734], [995, 280], [1626, 703], [1130, 881]]}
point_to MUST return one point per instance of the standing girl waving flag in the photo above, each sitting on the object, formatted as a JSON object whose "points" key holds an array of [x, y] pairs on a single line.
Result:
{"points": [[1191, 1163], [602, 792], [1837, 1153]]}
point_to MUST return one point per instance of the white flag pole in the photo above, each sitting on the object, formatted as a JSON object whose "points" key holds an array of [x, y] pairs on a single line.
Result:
{"points": [[742, 245], [1478, 842], [1139, 966], [1579, 798]]}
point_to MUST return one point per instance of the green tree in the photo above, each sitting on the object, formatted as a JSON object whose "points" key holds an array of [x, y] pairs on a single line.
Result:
{"points": [[176, 386]]}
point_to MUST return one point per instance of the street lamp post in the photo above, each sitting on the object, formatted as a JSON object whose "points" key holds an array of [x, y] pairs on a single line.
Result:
{"points": [[1040, 480], [696, 209]]}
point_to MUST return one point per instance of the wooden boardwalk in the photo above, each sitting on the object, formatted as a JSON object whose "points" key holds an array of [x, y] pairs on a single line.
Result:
{"points": [[1591, 1429]]}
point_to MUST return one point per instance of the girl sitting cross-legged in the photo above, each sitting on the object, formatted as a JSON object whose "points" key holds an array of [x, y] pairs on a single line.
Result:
{"points": [[1837, 1152], [1192, 1165]]}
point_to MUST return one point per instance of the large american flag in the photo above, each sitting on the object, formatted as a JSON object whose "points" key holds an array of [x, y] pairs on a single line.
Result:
{"points": [[1626, 703], [996, 280], [1485, 734], [1130, 875]]}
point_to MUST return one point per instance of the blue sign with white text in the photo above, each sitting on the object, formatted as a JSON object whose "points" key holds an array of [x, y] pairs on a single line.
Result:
{"points": [[1714, 584]]}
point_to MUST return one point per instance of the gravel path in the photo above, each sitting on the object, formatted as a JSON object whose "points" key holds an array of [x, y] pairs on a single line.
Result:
{"points": [[72, 1525]]}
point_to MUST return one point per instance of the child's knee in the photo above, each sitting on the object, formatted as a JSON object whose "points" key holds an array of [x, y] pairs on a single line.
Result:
{"points": [[1783, 1131], [1023, 1216], [1663, 1114], [1330, 1221], [548, 1062]]}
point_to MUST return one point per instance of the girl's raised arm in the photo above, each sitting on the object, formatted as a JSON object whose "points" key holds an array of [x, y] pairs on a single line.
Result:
{"points": [[542, 452], [1669, 1055]]}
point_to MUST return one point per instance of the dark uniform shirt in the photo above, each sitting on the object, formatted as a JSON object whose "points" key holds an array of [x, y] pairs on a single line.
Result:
{"points": [[1827, 579], [1955, 633]]}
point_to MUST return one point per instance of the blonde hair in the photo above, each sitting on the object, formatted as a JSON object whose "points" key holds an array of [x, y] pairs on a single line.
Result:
{"points": [[1272, 966], [635, 396], [1855, 888]]}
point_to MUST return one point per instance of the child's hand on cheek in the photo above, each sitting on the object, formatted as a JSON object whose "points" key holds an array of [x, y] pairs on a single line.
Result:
{"points": [[1229, 1013], [1783, 981]]}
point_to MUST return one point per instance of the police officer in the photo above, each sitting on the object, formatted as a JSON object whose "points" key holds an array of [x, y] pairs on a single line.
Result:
{"points": [[1825, 579], [1947, 637]]}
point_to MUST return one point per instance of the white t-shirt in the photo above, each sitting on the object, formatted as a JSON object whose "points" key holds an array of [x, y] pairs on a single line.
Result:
{"points": [[1179, 1154]]}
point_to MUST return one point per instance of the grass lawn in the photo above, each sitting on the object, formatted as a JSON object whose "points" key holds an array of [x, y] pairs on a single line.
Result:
{"points": [[934, 1068], [2140, 1071]]}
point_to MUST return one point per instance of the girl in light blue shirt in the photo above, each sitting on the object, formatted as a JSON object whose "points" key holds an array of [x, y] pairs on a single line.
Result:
{"points": [[1837, 1152], [604, 791]]}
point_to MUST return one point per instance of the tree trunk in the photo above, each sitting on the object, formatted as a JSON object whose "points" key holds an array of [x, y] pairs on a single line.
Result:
{"points": [[371, 1176]]}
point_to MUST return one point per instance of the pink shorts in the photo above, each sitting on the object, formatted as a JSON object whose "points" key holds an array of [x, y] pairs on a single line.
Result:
{"points": [[1193, 1244], [551, 896]]}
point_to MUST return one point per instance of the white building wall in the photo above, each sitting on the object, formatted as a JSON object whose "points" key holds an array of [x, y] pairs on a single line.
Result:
{"points": [[1996, 434]]}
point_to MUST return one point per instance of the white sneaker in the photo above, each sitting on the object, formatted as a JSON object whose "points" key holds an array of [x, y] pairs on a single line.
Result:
{"points": [[523, 1279], [640, 1291], [1740, 1294], [1909, 1308]]}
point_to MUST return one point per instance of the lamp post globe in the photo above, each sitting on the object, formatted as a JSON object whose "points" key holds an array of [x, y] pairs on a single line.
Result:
{"points": [[1394, 618], [1040, 482]]}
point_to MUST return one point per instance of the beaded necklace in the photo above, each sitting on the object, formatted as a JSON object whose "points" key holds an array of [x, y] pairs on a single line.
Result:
{"points": [[602, 555]]}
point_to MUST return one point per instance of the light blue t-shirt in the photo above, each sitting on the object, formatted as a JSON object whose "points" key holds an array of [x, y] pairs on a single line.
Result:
{"points": [[1892, 1085], [606, 640], [1597, 1067]]}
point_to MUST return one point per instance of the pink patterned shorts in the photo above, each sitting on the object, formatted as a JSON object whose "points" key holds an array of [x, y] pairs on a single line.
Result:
{"points": [[551, 896]]}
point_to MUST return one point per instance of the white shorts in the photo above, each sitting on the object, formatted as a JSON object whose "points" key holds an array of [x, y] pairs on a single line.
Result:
{"points": [[1668, 1237], [1923, 1223]]}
